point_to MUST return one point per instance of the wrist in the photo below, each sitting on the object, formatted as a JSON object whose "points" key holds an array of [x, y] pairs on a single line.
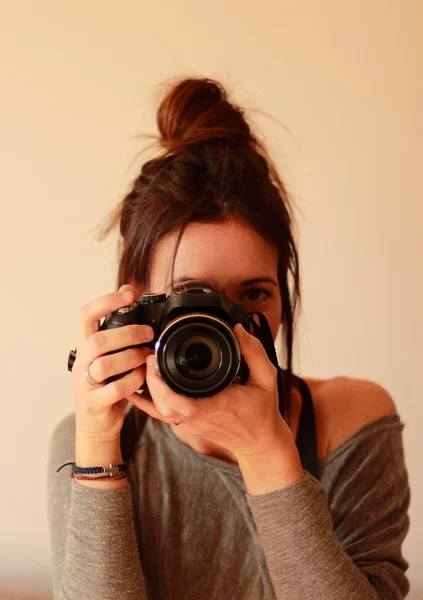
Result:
{"points": [[89, 453], [271, 470], [114, 484], [97, 454], [275, 438]]}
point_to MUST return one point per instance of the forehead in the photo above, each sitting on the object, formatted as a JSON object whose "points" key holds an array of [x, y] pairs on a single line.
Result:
{"points": [[224, 252]]}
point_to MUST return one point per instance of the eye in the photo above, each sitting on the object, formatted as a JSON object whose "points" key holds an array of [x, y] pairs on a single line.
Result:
{"points": [[255, 295]]}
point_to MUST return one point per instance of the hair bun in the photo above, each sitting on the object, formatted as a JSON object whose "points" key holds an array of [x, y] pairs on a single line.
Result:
{"points": [[197, 110]]}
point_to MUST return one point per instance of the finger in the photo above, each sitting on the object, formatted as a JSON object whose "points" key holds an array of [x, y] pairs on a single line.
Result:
{"points": [[114, 392], [123, 404], [104, 343], [149, 407], [127, 287], [262, 371], [107, 366], [91, 313], [167, 402]]}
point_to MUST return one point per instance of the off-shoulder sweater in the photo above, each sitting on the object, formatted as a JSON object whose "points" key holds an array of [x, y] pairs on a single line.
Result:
{"points": [[184, 528]]}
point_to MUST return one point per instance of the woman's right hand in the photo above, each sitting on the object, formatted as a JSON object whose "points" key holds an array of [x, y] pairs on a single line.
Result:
{"points": [[99, 411]]}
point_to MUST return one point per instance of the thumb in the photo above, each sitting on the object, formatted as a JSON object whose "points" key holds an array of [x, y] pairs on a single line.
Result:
{"points": [[129, 288], [262, 371]]}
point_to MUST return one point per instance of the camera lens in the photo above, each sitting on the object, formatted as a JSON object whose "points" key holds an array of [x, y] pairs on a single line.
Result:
{"points": [[197, 357]]}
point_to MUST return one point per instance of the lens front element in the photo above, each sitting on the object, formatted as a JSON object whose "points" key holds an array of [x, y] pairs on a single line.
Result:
{"points": [[198, 357]]}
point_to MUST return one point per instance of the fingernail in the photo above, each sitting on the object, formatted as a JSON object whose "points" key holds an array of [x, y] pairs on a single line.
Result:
{"points": [[127, 296], [147, 331], [241, 330]]}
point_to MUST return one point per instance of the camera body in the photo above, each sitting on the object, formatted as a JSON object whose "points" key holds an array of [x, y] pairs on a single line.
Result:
{"points": [[197, 353]]}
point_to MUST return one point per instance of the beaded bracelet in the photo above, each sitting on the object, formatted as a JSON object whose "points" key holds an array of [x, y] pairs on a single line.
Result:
{"points": [[121, 475]]}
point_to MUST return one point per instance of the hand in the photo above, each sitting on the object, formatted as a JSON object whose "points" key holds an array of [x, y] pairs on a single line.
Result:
{"points": [[244, 419], [99, 411]]}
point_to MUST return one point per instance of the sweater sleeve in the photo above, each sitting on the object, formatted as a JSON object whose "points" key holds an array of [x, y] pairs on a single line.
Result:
{"points": [[94, 549], [340, 538]]}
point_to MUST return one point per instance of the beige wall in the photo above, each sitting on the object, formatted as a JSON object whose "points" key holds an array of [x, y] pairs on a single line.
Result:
{"points": [[77, 86]]}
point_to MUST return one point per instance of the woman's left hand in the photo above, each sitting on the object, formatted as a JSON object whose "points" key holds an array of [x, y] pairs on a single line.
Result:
{"points": [[244, 419]]}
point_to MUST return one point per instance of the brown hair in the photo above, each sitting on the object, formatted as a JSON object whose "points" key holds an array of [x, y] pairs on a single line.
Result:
{"points": [[212, 168]]}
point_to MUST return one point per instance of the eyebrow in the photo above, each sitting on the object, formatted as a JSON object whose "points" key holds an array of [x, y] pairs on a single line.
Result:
{"points": [[244, 283]]}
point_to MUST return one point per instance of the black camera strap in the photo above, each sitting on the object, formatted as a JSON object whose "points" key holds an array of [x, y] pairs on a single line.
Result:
{"points": [[306, 440], [264, 334]]}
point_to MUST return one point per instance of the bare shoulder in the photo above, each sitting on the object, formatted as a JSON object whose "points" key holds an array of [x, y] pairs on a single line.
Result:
{"points": [[343, 405]]}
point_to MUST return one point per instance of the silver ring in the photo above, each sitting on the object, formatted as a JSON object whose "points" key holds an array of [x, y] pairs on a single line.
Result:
{"points": [[88, 378], [177, 422]]}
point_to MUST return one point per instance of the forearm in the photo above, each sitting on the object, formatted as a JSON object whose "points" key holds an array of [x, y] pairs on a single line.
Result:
{"points": [[95, 553], [101, 557], [304, 557]]}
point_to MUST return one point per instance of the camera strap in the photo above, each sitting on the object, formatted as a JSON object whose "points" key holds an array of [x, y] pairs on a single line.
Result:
{"points": [[264, 334], [306, 441]]}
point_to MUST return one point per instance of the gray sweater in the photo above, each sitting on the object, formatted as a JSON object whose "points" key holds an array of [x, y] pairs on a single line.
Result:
{"points": [[185, 528]]}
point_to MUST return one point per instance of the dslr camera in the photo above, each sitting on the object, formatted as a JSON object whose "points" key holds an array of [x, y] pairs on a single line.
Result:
{"points": [[197, 353]]}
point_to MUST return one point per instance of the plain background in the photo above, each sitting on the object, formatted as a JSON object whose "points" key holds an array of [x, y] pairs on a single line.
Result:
{"points": [[79, 82]]}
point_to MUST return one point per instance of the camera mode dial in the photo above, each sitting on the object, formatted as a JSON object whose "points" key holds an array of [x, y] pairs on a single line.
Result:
{"points": [[150, 298]]}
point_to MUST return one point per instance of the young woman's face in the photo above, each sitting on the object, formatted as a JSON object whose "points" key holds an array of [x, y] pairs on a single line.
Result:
{"points": [[233, 256]]}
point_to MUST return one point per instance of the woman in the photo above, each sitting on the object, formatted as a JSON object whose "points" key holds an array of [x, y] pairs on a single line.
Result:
{"points": [[217, 500]]}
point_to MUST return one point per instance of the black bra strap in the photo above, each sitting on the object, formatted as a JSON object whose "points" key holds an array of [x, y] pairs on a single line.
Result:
{"points": [[306, 435]]}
